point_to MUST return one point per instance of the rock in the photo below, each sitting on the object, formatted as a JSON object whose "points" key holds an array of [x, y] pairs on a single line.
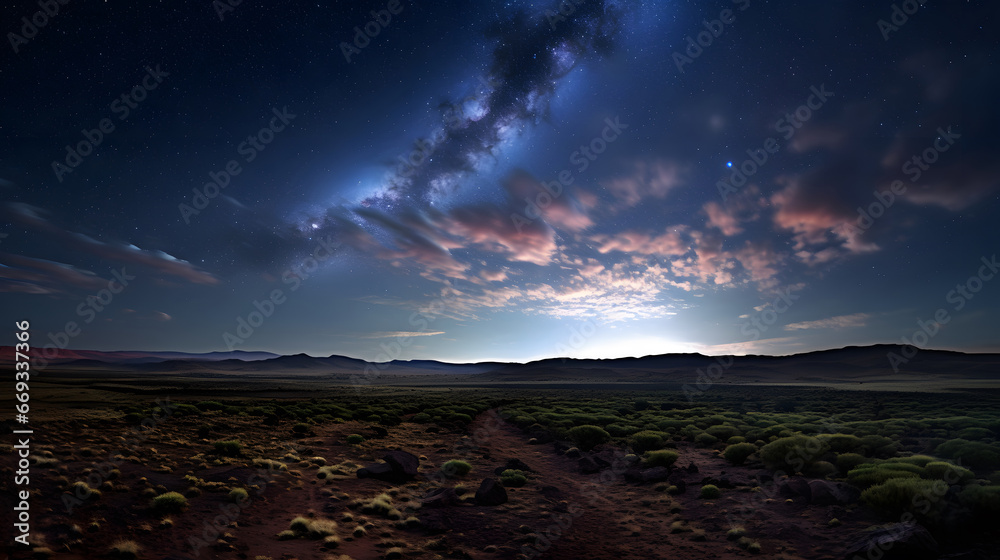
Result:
{"points": [[491, 493], [441, 497], [826, 493], [403, 464], [722, 482], [588, 465], [692, 468], [795, 486], [681, 486], [379, 471], [899, 541], [655, 474], [764, 476], [516, 464], [551, 493], [378, 431], [573, 453]]}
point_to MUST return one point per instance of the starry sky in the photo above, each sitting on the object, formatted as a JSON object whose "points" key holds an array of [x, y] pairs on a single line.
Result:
{"points": [[469, 181]]}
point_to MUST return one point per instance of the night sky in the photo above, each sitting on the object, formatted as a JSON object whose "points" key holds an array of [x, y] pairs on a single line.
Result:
{"points": [[482, 181]]}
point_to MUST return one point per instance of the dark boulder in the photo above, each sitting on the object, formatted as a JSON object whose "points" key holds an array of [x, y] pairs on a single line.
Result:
{"points": [[899, 541], [491, 493], [441, 497], [378, 471], [403, 464], [826, 493]]}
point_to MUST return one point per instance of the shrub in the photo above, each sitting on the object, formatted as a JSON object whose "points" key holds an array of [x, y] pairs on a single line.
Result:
{"points": [[709, 492], [646, 440], [952, 474], [587, 437], [125, 549], [171, 502], [661, 458], [735, 533], [82, 490], [896, 496], [821, 469], [983, 500], [972, 453], [421, 418], [738, 453], [705, 439], [301, 428], [355, 439], [792, 454], [842, 443], [871, 475], [231, 448], [456, 468], [513, 478], [238, 495], [848, 461]]}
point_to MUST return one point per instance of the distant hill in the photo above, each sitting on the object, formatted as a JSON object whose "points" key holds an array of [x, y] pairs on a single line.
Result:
{"points": [[855, 365]]}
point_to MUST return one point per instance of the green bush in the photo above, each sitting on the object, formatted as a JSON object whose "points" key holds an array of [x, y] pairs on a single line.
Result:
{"points": [[210, 405], [355, 439], [709, 492], [869, 474], [231, 448], [738, 453], [421, 418], [952, 474], [301, 428], [983, 500], [848, 461], [660, 458], [705, 439], [513, 478], [171, 502], [646, 440], [792, 454], [821, 469], [238, 496], [899, 495], [971, 453], [587, 437], [456, 468], [842, 443]]}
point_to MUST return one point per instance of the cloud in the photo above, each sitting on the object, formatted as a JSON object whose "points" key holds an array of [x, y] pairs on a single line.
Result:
{"points": [[401, 334], [647, 179], [124, 253], [28, 275], [722, 219], [667, 244], [839, 322]]}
